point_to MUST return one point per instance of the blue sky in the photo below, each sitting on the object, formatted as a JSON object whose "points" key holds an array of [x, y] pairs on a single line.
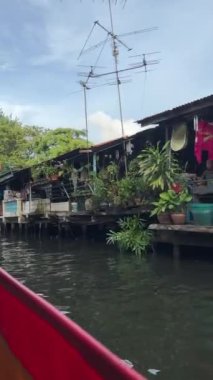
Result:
{"points": [[40, 41]]}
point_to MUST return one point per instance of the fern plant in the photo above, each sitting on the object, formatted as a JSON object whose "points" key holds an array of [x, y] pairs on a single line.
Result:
{"points": [[132, 236]]}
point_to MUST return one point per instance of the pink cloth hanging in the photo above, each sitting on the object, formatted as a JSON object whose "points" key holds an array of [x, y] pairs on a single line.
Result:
{"points": [[204, 140]]}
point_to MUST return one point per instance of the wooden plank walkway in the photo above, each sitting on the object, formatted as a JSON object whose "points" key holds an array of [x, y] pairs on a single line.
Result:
{"points": [[183, 235], [182, 228]]}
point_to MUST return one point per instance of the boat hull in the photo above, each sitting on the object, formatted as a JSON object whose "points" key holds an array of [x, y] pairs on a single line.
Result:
{"points": [[38, 342]]}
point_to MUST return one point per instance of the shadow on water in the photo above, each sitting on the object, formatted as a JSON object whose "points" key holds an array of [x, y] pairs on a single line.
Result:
{"points": [[155, 311]]}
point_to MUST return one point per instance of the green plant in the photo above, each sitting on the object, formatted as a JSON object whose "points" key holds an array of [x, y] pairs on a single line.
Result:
{"points": [[98, 188], [112, 171], [106, 183], [171, 201], [50, 170], [126, 189], [43, 170], [132, 236], [134, 167], [158, 169], [67, 168], [142, 189]]}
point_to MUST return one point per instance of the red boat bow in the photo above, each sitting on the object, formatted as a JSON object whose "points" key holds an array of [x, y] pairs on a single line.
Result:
{"points": [[38, 342]]}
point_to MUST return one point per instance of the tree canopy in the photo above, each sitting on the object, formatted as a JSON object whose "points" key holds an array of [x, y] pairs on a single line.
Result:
{"points": [[23, 145]]}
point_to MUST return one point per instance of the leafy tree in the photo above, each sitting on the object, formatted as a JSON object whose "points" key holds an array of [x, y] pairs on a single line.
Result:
{"points": [[23, 145], [54, 142], [13, 143]]}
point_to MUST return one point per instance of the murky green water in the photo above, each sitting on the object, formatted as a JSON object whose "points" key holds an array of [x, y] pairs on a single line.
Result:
{"points": [[153, 311]]}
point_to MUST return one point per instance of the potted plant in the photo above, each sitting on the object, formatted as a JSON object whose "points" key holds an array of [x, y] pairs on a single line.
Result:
{"points": [[179, 200], [162, 209], [157, 168], [98, 199], [126, 191], [172, 203], [51, 172], [37, 172]]}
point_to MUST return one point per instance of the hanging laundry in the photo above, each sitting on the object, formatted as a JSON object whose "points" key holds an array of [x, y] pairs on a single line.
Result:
{"points": [[204, 140], [129, 147]]}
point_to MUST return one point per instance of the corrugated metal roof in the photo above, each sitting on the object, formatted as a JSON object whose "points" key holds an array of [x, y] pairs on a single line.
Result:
{"points": [[109, 144], [93, 148], [12, 174], [183, 110]]}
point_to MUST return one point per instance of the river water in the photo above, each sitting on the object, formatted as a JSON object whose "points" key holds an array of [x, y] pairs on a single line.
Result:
{"points": [[153, 311]]}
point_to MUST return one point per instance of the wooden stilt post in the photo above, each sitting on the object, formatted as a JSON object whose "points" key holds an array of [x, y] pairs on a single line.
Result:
{"points": [[176, 251], [45, 227], [40, 230], [20, 228], [59, 229], [84, 230], [12, 227], [154, 248]]}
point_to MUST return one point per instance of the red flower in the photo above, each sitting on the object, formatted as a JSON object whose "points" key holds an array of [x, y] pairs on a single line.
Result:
{"points": [[176, 187]]}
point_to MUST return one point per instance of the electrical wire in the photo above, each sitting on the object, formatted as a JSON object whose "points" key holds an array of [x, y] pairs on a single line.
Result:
{"points": [[100, 53], [90, 33]]}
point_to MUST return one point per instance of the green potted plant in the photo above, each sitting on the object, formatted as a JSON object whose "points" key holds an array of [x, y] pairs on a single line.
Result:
{"points": [[37, 172], [51, 172], [162, 209], [126, 191], [98, 199], [179, 200], [158, 168], [173, 204], [141, 193]]}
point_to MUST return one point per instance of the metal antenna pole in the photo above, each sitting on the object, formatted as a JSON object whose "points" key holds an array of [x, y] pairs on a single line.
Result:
{"points": [[115, 55], [86, 120], [85, 111]]}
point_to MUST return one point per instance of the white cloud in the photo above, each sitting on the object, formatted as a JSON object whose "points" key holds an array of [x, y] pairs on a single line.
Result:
{"points": [[23, 112], [43, 115], [40, 3], [102, 127], [108, 128], [6, 66]]}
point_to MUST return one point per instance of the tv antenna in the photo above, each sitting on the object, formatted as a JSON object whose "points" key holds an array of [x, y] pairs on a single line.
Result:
{"points": [[86, 87], [116, 41], [138, 65], [144, 61]]}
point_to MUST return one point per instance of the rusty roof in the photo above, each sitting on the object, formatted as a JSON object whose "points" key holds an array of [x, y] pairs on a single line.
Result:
{"points": [[190, 108]]}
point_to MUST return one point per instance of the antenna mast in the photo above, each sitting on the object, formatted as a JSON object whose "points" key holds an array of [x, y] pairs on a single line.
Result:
{"points": [[85, 88], [115, 53]]}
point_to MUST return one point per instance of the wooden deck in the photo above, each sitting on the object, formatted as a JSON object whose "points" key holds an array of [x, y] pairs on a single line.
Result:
{"points": [[183, 235]]}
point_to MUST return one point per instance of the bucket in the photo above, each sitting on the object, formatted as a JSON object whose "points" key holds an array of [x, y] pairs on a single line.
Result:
{"points": [[202, 213], [74, 206]]}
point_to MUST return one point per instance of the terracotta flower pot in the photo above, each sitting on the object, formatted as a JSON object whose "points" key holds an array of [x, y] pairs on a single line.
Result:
{"points": [[178, 218], [164, 218], [54, 177]]}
